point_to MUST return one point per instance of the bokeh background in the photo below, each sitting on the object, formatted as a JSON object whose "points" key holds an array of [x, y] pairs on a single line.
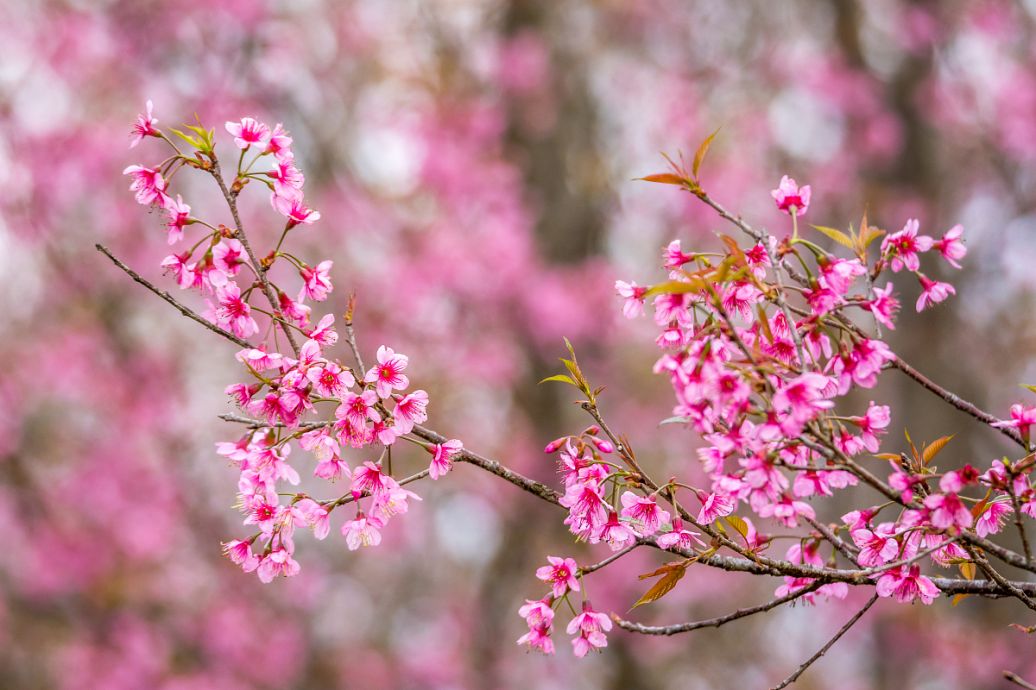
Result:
{"points": [[473, 161]]}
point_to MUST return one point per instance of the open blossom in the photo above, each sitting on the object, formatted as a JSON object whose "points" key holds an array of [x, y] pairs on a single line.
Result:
{"points": [[589, 627], [872, 425], [947, 510], [410, 410], [884, 306], [229, 256], [788, 194], [560, 574], [234, 312], [363, 531], [280, 143], [673, 257], [679, 538], [904, 246], [877, 546], [951, 246], [294, 210], [278, 562], [179, 216], [539, 616], [388, 374], [840, 274], [906, 583], [144, 127], [358, 409], [442, 457], [932, 292], [992, 519], [634, 296], [1023, 417], [240, 552], [616, 533], [317, 282], [713, 506], [148, 185], [248, 132], [287, 179], [644, 511]]}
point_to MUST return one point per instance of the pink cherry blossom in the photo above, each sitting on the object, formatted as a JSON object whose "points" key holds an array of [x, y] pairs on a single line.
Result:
{"points": [[317, 282], [442, 457], [249, 132], [589, 627], [991, 521], [234, 312], [229, 256], [644, 511], [145, 126], [906, 583], [148, 185], [788, 194], [952, 247], [713, 506], [560, 574], [179, 216], [388, 374], [294, 210], [362, 531], [932, 292], [904, 246], [884, 306], [634, 296], [679, 538]]}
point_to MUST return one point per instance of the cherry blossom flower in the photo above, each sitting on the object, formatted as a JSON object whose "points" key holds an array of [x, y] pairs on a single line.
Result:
{"points": [[560, 574], [932, 292], [947, 510], [144, 127], [991, 521], [951, 246], [877, 547], [279, 144], [362, 531], [249, 132], [278, 562], [539, 616], [904, 246], [148, 185], [411, 410], [317, 282], [788, 194], [234, 312], [644, 511], [679, 538], [616, 533], [294, 210], [179, 216], [906, 583], [634, 296], [442, 457], [388, 374], [884, 306], [358, 409], [713, 506], [229, 256], [591, 627]]}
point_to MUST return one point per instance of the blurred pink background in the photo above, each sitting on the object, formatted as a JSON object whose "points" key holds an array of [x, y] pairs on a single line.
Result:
{"points": [[473, 162]]}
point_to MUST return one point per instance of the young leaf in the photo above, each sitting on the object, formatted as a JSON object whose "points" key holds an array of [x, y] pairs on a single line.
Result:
{"points": [[664, 178], [967, 570], [930, 451], [837, 235], [739, 524], [662, 587], [957, 598], [561, 378], [699, 155]]}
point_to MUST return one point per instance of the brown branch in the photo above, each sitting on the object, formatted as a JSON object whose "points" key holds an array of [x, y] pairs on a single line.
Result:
{"points": [[713, 622], [171, 300], [1018, 680], [257, 267], [830, 643]]}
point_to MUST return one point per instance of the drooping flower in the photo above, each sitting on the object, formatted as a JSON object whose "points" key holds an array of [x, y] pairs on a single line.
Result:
{"points": [[906, 583], [932, 292], [715, 505], [991, 520], [294, 210], [234, 312], [884, 306], [589, 627], [317, 282], [952, 247], [148, 185], [634, 296], [363, 531]]}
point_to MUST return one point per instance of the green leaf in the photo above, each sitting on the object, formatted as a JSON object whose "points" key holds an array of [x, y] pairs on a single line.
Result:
{"points": [[193, 141], [699, 155], [559, 377], [837, 235], [674, 287]]}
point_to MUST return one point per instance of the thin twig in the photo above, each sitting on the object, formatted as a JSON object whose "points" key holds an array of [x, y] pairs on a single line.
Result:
{"points": [[1018, 680], [823, 650], [713, 622], [171, 300]]}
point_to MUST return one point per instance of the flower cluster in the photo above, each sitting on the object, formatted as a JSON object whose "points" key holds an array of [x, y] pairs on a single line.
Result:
{"points": [[286, 392]]}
